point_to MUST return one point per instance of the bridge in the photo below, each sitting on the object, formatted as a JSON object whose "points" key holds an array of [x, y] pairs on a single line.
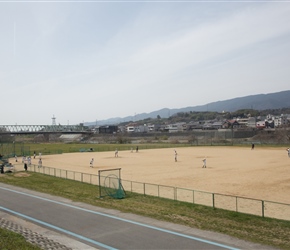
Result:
{"points": [[43, 129]]}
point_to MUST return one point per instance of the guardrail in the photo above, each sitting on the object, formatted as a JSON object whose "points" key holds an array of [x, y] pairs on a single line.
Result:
{"points": [[239, 204]]}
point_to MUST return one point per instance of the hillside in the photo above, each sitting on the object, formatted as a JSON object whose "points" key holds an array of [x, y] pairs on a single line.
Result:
{"points": [[259, 102]]}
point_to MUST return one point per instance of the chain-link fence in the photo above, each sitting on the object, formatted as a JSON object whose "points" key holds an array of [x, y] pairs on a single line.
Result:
{"points": [[245, 205]]}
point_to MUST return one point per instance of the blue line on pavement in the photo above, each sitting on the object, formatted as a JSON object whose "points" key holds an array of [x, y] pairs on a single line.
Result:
{"points": [[57, 228], [128, 221]]}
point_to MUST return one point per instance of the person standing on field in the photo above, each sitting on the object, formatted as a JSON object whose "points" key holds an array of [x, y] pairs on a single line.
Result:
{"points": [[92, 163], [29, 160], [116, 152], [39, 163], [175, 155], [288, 149], [204, 163]]}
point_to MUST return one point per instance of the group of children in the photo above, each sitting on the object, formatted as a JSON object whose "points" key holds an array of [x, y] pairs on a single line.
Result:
{"points": [[27, 160], [117, 155]]}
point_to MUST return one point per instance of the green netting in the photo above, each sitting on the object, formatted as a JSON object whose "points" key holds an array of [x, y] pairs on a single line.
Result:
{"points": [[110, 183], [9, 150]]}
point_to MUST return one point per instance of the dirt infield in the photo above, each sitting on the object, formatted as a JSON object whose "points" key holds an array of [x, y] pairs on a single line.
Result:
{"points": [[262, 173]]}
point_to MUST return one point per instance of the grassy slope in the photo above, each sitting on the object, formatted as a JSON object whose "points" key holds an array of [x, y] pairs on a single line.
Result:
{"points": [[11, 241], [248, 227]]}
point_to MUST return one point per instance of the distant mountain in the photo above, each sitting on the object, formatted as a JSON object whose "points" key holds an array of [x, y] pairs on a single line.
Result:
{"points": [[258, 102]]}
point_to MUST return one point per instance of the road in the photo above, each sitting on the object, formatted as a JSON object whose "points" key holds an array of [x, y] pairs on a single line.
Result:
{"points": [[100, 228]]}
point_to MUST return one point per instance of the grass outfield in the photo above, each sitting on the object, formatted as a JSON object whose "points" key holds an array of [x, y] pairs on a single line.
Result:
{"points": [[265, 231], [58, 148]]}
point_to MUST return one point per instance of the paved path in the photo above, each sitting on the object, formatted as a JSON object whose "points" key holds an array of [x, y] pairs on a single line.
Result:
{"points": [[58, 223]]}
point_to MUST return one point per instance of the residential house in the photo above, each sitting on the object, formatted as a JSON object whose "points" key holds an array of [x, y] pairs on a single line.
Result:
{"points": [[231, 124], [177, 127], [110, 129], [194, 125], [280, 121], [217, 125], [131, 127]]}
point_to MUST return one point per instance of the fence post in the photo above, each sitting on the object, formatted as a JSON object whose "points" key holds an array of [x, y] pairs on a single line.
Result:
{"points": [[236, 204], [99, 177], [263, 209], [175, 193], [193, 196], [144, 189], [82, 177], [213, 205]]}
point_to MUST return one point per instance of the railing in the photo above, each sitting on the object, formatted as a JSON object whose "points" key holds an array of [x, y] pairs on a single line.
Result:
{"points": [[245, 205], [40, 128]]}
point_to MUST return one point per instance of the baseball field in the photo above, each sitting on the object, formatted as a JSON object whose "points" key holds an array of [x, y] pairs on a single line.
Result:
{"points": [[262, 173]]}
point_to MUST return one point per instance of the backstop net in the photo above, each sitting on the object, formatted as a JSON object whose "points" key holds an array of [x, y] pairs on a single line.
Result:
{"points": [[8, 150], [110, 183]]}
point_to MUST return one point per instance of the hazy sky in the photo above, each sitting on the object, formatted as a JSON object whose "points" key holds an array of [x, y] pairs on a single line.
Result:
{"points": [[83, 61]]}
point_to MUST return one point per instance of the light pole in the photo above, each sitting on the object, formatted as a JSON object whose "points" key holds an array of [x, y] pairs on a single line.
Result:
{"points": [[232, 134]]}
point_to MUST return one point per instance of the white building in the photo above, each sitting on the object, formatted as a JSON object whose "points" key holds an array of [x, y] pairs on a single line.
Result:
{"points": [[251, 122], [243, 121], [172, 128], [280, 121], [130, 129]]}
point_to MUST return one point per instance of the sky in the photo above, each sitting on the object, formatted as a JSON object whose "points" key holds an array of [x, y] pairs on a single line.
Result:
{"points": [[84, 61]]}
